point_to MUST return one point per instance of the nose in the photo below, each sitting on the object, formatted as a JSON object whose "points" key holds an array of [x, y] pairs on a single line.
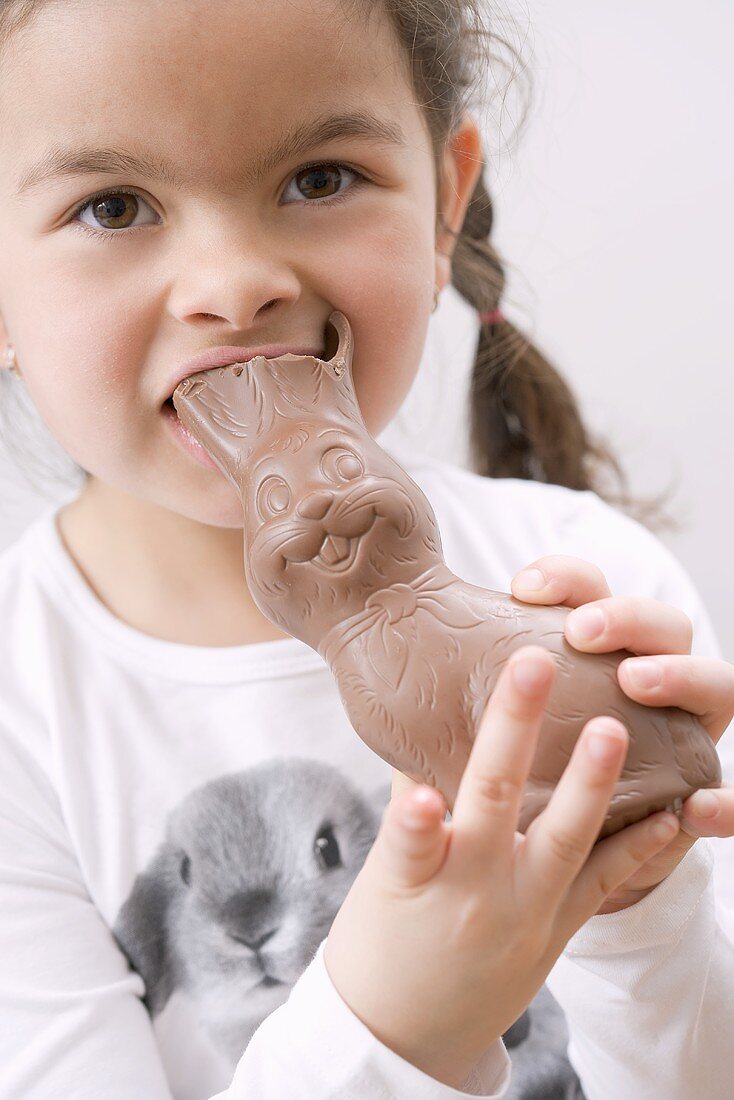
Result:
{"points": [[315, 505], [230, 274], [256, 944]]}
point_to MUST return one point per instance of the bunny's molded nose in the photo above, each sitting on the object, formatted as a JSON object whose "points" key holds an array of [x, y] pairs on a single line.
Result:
{"points": [[315, 505]]}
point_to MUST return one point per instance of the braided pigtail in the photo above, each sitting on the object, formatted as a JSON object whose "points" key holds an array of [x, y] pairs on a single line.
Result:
{"points": [[525, 421]]}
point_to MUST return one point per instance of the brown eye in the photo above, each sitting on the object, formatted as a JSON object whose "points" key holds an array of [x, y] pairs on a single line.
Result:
{"points": [[341, 464], [319, 179], [116, 211], [273, 497]]}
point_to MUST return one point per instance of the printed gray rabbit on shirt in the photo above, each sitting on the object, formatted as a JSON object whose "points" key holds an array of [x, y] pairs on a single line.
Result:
{"points": [[251, 872]]}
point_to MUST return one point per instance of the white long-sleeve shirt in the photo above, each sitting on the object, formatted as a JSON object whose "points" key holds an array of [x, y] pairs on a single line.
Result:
{"points": [[181, 823]]}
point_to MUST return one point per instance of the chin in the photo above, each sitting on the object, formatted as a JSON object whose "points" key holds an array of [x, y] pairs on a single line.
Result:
{"points": [[229, 516], [213, 506]]}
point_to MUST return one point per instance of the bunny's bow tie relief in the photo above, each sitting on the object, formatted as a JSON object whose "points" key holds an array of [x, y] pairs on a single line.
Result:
{"points": [[342, 550]]}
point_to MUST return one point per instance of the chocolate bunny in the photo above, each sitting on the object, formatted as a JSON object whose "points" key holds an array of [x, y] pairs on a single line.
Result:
{"points": [[342, 551]]}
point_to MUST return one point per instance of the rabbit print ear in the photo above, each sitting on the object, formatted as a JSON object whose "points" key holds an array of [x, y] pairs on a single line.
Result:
{"points": [[141, 928]]}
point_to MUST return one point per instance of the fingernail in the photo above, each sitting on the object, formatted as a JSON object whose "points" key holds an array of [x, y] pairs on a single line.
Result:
{"points": [[414, 814], [586, 623], [666, 827], [532, 580], [601, 740], [603, 747], [528, 674], [704, 804], [644, 672]]}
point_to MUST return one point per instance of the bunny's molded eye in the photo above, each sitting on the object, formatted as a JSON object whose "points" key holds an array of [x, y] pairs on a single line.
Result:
{"points": [[273, 497], [340, 464], [326, 847], [185, 870]]}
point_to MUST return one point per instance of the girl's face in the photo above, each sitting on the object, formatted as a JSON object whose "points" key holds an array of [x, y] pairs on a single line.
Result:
{"points": [[225, 238]]}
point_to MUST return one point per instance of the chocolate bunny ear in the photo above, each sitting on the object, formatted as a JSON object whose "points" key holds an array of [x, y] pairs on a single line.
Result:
{"points": [[342, 360]]}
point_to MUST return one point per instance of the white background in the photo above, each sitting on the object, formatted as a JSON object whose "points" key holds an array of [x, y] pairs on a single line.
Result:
{"points": [[613, 214]]}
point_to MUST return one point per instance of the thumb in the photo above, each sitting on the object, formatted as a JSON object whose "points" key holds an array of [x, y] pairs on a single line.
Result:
{"points": [[709, 812], [412, 842]]}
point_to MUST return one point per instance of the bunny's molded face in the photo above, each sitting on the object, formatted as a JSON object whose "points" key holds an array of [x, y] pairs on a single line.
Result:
{"points": [[326, 523]]}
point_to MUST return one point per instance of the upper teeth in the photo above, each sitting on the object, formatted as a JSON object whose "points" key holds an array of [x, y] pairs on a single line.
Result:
{"points": [[334, 549]]}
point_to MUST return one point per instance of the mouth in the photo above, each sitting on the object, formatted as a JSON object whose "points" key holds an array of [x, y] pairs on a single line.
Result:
{"points": [[268, 982], [337, 553], [329, 350], [331, 343]]}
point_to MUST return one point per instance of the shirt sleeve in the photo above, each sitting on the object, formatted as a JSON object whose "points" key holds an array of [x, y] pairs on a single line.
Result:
{"points": [[314, 1048], [72, 1022], [647, 993]]}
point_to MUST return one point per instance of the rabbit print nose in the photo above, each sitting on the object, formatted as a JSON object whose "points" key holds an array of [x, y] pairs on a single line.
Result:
{"points": [[256, 944], [315, 505]]}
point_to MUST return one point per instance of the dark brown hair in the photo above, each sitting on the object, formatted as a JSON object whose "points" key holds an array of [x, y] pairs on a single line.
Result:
{"points": [[524, 419]]}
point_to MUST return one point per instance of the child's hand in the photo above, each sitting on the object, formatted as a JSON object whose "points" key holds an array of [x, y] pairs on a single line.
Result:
{"points": [[450, 929], [702, 685]]}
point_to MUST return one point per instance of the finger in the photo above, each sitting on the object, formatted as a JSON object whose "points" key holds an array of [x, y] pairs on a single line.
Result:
{"points": [[560, 579], [702, 685], [709, 813], [401, 783], [613, 861], [488, 802], [411, 844], [638, 623], [559, 840]]}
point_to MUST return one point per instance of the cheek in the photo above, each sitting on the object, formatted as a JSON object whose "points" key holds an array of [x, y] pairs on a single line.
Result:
{"points": [[390, 295], [383, 383], [89, 410], [79, 357]]}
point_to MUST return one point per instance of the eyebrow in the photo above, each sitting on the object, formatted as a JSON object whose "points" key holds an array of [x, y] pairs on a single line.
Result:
{"points": [[60, 162]]}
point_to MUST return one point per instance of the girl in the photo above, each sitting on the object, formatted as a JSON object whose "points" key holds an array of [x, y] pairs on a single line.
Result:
{"points": [[187, 902]]}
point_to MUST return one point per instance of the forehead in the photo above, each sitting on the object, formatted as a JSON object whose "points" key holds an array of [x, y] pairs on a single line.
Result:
{"points": [[223, 76]]}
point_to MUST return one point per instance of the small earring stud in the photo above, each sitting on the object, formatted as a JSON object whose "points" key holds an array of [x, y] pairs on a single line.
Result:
{"points": [[10, 360]]}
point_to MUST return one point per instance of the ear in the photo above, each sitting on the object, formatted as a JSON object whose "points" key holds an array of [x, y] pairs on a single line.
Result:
{"points": [[4, 339], [141, 928], [461, 168]]}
